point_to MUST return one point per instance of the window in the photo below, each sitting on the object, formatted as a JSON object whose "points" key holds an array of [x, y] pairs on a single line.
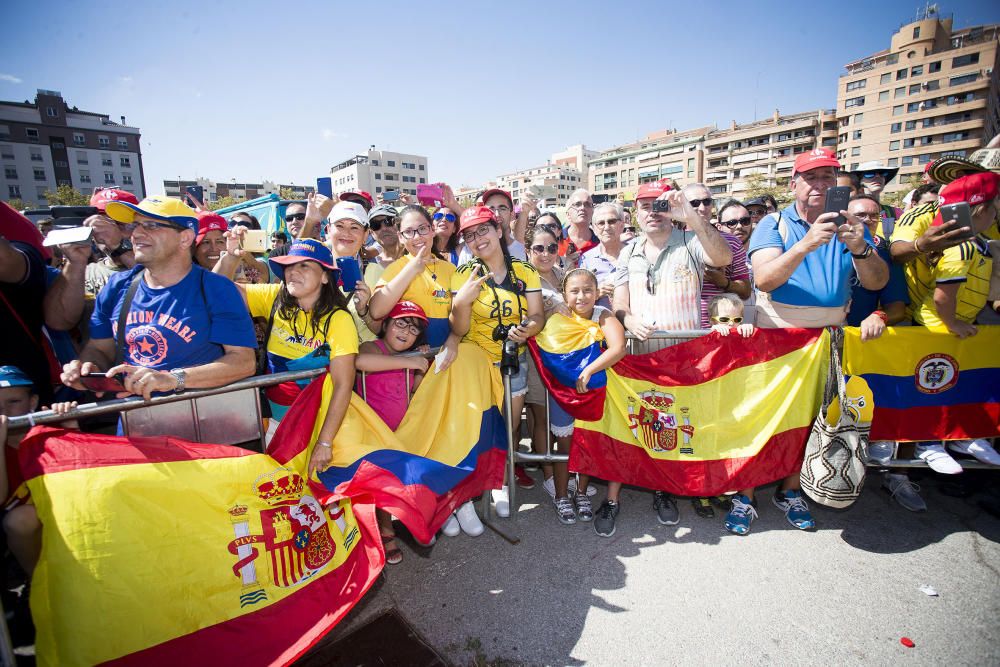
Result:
{"points": [[61, 163], [58, 144], [893, 162], [126, 161], [916, 32], [856, 135], [896, 127], [39, 174], [914, 89], [409, 165], [106, 160], [378, 176], [123, 143], [967, 59], [109, 178], [907, 143], [854, 166], [786, 136], [81, 157], [965, 78], [421, 169], [85, 176], [10, 172], [856, 85], [959, 99], [883, 96], [894, 145], [925, 158], [392, 177], [897, 110], [917, 71], [51, 112], [423, 180], [127, 179], [932, 85], [954, 136], [901, 74], [7, 152], [886, 78], [4, 132], [79, 139], [14, 191], [103, 141], [910, 125], [856, 151], [907, 161], [934, 67], [892, 59], [36, 155], [858, 117], [374, 163], [32, 134], [899, 92], [390, 163]]}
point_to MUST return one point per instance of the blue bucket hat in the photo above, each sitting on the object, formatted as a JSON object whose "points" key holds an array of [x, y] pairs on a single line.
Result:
{"points": [[12, 376], [303, 250]]}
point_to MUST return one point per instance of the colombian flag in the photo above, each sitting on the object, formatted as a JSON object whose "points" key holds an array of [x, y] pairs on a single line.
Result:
{"points": [[707, 416], [929, 385], [564, 348], [450, 446], [161, 551]]}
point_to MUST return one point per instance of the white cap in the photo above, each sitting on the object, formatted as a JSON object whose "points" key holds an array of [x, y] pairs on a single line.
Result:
{"points": [[349, 210]]}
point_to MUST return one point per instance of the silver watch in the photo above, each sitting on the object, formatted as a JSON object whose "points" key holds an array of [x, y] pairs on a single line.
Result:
{"points": [[181, 376]]}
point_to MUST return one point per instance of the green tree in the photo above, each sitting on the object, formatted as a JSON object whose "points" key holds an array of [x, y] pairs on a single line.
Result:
{"points": [[65, 195], [18, 204], [287, 193], [756, 186], [895, 198], [222, 202]]}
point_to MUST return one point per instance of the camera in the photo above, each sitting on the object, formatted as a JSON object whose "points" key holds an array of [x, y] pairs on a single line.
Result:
{"points": [[500, 331], [661, 206]]}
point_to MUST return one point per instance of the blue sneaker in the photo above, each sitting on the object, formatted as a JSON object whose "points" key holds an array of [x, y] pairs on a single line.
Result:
{"points": [[741, 515], [795, 508]]}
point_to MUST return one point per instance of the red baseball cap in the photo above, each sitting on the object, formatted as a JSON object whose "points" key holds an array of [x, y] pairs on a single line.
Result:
{"points": [[101, 197], [210, 222], [16, 227], [973, 189], [498, 191], [407, 309], [814, 159], [476, 215], [359, 196], [652, 190]]}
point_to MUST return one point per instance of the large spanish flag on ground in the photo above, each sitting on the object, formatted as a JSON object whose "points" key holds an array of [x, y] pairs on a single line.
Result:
{"points": [[161, 551], [710, 415], [450, 446], [929, 385]]}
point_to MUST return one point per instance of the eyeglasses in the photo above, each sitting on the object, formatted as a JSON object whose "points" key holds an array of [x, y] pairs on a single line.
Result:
{"points": [[500, 209], [377, 223], [295, 216], [422, 230], [722, 319], [744, 221], [606, 223], [471, 235], [867, 216], [403, 325], [450, 217], [581, 205], [149, 226], [551, 248], [695, 203]]}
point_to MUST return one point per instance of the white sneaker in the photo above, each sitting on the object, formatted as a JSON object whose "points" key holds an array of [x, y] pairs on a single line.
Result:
{"points": [[501, 502], [451, 527], [938, 459], [981, 449], [574, 482], [469, 520], [550, 486], [881, 451]]}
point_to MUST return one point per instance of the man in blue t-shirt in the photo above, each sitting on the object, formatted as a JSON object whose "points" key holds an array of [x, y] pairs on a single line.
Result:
{"points": [[185, 327]]}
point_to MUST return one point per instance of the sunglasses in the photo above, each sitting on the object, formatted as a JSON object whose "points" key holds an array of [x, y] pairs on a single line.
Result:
{"points": [[376, 224], [873, 174], [744, 221], [630, 230], [450, 217], [722, 319], [295, 216], [551, 248], [695, 203]]}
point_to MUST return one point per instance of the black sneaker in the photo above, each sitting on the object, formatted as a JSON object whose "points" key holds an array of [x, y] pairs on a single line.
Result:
{"points": [[666, 509], [703, 508], [604, 520]]}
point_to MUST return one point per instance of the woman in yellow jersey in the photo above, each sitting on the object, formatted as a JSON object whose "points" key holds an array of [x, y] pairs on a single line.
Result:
{"points": [[496, 298], [421, 275], [308, 327]]}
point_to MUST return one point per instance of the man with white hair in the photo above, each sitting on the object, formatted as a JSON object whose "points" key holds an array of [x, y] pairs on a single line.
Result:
{"points": [[579, 237]]}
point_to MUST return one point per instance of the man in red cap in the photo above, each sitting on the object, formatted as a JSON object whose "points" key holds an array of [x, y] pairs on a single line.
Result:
{"points": [[110, 240], [500, 202]]}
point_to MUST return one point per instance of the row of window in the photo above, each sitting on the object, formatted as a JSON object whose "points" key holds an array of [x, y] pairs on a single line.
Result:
{"points": [[10, 173], [395, 177], [79, 139], [14, 192], [917, 70], [914, 89], [405, 165], [106, 161], [410, 191]]}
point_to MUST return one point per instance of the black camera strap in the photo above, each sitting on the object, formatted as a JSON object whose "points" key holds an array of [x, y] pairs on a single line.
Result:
{"points": [[123, 317]]}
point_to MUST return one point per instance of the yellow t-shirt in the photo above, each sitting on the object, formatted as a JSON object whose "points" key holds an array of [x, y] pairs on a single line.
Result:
{"points": [[971, 265], [919, 272], [430, 289], [497, 304], [295, 339]]}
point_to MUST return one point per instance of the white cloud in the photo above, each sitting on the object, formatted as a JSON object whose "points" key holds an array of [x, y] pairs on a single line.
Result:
{"points": [[9, 78], [330, 135], [126, 79]]}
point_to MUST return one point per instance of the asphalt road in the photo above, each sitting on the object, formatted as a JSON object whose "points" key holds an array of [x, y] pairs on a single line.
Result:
{"points": [[694, 594]]}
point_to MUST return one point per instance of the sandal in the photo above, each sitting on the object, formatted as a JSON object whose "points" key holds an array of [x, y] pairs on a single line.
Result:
{"points": [[393, 554], [703, 507]]}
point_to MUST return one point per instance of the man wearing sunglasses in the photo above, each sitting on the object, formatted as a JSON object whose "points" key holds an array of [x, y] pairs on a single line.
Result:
{"points": [[382, 225], [735, 219], [182, 327], [874, 176]]}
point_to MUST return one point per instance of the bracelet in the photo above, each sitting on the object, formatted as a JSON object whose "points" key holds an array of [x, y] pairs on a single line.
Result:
{"points": [[323, 443], [364, 314], [916, 246], [882, 316]]}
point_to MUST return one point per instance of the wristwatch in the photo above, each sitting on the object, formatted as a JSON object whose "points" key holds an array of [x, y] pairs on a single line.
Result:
{"points": [[868, 250], [123, 247], [181, 376]]}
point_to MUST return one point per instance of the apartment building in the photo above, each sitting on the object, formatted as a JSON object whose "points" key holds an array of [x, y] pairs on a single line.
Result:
{"points": [[767, 147], [664, 154], [933, 91], [380, 171], [558, 179], [47, 143], [215, 190]]}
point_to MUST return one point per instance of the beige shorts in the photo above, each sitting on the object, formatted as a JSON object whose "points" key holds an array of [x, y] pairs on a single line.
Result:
{"points": [[775, 315]]}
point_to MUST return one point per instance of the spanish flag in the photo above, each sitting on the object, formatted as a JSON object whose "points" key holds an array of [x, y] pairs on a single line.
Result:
{"points": [[711, 415], [450, 446], [161, 551], [929, 385]]}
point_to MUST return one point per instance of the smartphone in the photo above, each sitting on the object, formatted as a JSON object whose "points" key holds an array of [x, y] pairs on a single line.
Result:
{"points": [[392, 195], [350, 273], [837, 199], [255, 240], [195, 195], [430, 194], [661, 206], [103, 382], [324, 186], [961, 213], [68, 236]]}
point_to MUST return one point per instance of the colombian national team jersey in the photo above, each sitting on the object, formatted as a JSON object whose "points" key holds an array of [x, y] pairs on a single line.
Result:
{"points": [[431, 290], [292, 340], [971, 265], [505, 303], [919, 273]]}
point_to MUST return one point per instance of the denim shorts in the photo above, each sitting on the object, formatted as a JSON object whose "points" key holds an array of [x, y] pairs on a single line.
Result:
{"points": [[519, 381]]}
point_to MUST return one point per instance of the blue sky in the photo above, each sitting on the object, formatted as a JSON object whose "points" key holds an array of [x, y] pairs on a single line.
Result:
{"points": [[252, 90]]}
